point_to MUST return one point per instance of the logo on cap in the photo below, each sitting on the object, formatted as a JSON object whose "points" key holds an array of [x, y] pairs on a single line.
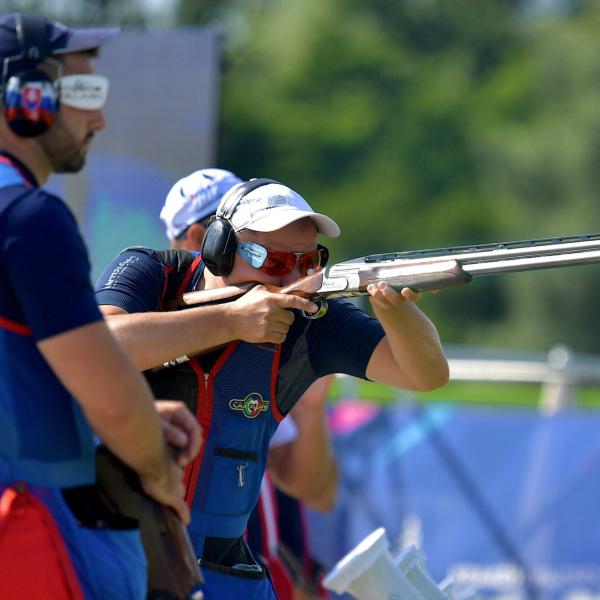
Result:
{"points": [[251, 406]]}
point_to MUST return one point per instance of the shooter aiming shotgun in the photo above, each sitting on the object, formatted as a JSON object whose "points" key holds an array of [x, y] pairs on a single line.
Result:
{"points": [[420, 270]]}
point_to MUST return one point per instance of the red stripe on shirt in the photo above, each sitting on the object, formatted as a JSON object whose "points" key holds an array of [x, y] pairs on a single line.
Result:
{"points": [[24, 175], [274, 373], [14, 327], [188, 276]]}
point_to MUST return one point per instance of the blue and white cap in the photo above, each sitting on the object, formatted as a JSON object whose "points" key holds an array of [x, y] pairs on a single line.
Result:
{"points": [[194, 198]]}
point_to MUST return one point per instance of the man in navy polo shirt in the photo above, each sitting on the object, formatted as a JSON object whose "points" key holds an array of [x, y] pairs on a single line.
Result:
{"points": [[301, 462], [62, 374]]}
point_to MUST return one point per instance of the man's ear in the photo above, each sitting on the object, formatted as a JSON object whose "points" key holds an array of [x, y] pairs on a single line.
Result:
{"points": [[195, 235]]}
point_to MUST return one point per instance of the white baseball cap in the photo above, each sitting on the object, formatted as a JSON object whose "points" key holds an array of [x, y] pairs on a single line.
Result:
{"points": [[273, 206], [194, 198]]}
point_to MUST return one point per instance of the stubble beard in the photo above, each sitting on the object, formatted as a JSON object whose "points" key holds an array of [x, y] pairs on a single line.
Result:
{"points": [[65, 153]]}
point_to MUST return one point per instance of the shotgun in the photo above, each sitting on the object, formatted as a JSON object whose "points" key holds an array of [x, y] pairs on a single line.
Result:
{"points": [[420, 270], [172, 566]]}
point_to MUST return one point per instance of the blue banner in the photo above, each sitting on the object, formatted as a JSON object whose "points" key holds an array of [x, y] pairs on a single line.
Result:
{"points": [[503, 500]]}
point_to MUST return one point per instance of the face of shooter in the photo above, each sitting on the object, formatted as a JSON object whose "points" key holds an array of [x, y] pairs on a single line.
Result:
{"points": [[66, 143], [299, 236]]}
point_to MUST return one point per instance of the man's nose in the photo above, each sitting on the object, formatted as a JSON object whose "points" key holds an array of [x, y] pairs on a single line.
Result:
{"points": [[98, 121]]}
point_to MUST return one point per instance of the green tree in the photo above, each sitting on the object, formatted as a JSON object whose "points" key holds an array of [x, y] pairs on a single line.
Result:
{"points": [[541, 155]]}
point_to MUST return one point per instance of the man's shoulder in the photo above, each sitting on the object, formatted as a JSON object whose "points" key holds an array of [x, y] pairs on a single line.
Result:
{"points": [[29, 200], [152, 273], [179, 259], [173, 261], [24, 207]]}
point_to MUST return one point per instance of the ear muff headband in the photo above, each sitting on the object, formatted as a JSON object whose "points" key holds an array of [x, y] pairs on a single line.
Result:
{"points": [[31, 33], [219, 244], [30, 98], [237, 192]]}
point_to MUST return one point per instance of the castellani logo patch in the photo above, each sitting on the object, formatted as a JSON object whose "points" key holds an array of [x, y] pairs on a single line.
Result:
{"points": [[251, 406]]}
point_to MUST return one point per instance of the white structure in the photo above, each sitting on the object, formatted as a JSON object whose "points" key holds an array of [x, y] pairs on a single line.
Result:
{"points": [[370, 573]]}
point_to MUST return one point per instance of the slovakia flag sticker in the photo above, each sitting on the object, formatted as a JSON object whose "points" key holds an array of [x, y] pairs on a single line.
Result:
{"points": [[32, 96]]}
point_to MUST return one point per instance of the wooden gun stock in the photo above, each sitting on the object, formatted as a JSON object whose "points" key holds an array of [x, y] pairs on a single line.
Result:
{"points": [[172, 566]]}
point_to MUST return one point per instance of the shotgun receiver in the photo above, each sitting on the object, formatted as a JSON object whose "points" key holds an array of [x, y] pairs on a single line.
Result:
{"points": [[421, 270]]}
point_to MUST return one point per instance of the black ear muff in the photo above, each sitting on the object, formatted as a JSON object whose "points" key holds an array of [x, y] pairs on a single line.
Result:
{"points": [[220, 243], [29, 97], [218, 246]]}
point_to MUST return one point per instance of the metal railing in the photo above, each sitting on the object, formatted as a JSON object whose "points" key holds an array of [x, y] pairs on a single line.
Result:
{"points": [[559, 371]]}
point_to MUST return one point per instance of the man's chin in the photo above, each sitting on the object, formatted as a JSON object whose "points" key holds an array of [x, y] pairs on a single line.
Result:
{"points": [[73, 166]]}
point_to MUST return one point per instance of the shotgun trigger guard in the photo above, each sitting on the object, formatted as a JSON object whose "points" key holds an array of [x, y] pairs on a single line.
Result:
{"points": [[321, 311]]}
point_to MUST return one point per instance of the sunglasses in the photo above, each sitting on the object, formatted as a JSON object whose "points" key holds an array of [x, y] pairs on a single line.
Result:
{"points": [[85, 92], [279, 263]]}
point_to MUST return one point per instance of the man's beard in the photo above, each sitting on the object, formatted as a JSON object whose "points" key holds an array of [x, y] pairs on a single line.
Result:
{"points": [[66, 154]]}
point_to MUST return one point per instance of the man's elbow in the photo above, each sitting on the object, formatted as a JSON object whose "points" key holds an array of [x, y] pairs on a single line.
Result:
{"points": [[435, 377]]}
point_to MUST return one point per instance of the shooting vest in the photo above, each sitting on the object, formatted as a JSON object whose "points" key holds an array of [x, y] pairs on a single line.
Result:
{"points": [[44, 438], [235, 402]]}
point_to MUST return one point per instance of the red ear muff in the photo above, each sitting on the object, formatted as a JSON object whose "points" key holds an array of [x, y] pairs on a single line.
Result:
{"points": [[30, 103]]}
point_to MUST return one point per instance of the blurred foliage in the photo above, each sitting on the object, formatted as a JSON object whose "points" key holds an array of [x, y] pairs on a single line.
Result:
{"points": [[425, 123], [128, 13]]}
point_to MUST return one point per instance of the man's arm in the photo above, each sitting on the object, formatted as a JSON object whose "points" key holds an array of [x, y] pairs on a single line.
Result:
{"points": [[118, 405], [306, 468], [153, 338], [410, 355]]}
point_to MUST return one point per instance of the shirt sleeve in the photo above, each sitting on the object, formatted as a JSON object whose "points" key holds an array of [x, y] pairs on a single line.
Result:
{"points": [[343, 340], [286, 433], [48, 265], [134, 281]]}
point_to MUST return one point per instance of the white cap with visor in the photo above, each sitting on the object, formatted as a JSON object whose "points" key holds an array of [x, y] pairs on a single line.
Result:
{"points": [[273, 206]]}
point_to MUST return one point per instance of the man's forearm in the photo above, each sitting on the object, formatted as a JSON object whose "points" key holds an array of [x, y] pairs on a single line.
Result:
{"points": [[416, 358], [306, 468], [153, 338]]}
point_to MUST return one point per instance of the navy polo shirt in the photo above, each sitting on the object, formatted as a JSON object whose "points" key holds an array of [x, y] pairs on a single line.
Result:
{"points": [[44, 291]]}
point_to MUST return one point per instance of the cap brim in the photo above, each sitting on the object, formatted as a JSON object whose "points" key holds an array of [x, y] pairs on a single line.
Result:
{"points": [[78, 40], [280, 218]]}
